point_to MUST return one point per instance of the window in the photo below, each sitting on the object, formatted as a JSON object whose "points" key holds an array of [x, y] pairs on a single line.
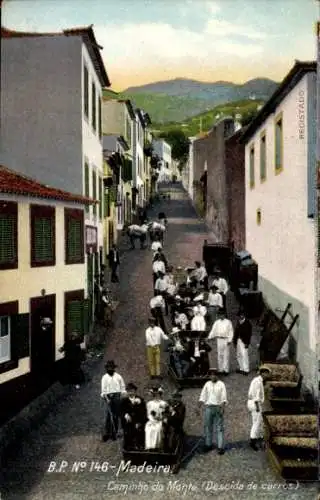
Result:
{"points": [[87, 183], [128, 131], [94, 97], [8, 235], [74, 236], [86, 91], [107, 201], [76, 314], [99, 118], [94, 190], [251, 167], [100, 197], [43, 244], [5, 342], [259, 217], [278, 144], [263, 152]]}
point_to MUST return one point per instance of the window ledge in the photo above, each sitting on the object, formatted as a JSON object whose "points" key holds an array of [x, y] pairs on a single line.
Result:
{"points": [[8, 265], [278, 170], [7, 366], [49, 263]]}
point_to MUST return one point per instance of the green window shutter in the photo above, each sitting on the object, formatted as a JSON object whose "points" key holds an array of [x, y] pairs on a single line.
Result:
{"points": [[113, 194], [20, 336], [7, 238], [85, 317], [251, 167], [100, 197], [107, 202], [90, 274], [100, 118], [94, 190], [86, 184], [43, 239], [74, 239], [86, 90], [94, 118], [74, 318]]}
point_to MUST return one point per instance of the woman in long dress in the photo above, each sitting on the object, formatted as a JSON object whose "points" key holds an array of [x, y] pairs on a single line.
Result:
{"points": [[154, 426]]}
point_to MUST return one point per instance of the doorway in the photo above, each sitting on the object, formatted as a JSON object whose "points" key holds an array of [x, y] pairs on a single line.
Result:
{"points": [[43, 335]]}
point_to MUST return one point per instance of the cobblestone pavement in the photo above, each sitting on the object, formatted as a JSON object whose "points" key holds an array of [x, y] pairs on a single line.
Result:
{"points": [[72, 431]]}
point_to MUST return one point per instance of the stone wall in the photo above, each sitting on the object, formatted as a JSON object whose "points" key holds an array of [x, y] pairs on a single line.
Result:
{"points": [[235, 169]]}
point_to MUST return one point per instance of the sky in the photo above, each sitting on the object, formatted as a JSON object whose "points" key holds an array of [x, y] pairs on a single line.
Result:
{"points": [[146, 41]]}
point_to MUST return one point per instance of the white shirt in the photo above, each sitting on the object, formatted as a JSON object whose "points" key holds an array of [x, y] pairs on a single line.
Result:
{"points": [[215, 299], [155, 246], [111, 384], [158, 406], [198, 323], [157, 301], [213, 393], [135, 228], [222, 328], [181, 320], [158, 265], [154, 335], [221, 284], [196, 349], [200, 309], [172, 289], [161, 284], [144, 228], [256, 390], [200, 273]]}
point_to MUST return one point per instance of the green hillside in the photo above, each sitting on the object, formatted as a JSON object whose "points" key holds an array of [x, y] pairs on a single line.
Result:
{"points": [[204, 121], [163, 108]]}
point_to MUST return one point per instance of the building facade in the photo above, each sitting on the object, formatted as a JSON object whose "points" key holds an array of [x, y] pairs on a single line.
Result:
{"points": [[42, 284], [118, 120], [163, 150], [51, 125], [138, 155], [281, 233]]}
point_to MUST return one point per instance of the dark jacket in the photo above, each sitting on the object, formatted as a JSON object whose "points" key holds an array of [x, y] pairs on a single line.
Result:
{"points": [[111, 256], [137, 412], [243, 331]]}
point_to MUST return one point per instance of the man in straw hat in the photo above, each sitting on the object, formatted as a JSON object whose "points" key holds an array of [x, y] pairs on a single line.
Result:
{"points": [[112, 388], [154, 337], [134, 417], [214, 398], [254, 405]]}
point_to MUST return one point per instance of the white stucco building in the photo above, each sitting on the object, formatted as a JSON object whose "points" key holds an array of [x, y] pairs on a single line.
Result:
{"points": [[138, 158], [163, 150], [188, 171], [51, 123], [281, 232]]}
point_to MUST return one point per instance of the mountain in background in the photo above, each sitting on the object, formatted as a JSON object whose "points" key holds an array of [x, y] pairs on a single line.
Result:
{"points": [[218, 92], [177, 100]]}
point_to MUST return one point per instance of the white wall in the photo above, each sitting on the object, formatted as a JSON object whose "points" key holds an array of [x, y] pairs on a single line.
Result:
{"points": [[92, 150], [41, 109], [284, 245], [27, 282]]}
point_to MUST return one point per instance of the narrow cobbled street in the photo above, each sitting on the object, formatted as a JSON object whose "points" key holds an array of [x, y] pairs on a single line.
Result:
{"points": [[72, 430]]}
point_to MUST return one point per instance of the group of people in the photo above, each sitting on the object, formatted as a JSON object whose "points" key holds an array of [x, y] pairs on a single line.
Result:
{"points": [[198, 313], [153, 425], [156, 230], [213, 397]]}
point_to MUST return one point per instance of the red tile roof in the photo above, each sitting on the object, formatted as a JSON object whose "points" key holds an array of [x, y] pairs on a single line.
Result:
{"points": [[87, 34], [15, 183]]}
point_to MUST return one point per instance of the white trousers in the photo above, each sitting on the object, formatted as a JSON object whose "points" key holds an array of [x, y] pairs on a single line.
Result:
{"points": [[242, 357], [256, 431], [153, 435], [223, 355]]}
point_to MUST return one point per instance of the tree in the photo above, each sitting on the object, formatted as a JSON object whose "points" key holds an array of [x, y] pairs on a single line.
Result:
{"points": [[248, 116], [179, 143]]}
